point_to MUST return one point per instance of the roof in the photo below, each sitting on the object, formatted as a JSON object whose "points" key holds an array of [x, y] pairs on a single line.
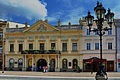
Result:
{"points": [[15, 29]]}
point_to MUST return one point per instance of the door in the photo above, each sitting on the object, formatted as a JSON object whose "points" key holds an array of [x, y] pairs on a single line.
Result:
{"points": [[110, 65], [52, 65], [40, 64]]}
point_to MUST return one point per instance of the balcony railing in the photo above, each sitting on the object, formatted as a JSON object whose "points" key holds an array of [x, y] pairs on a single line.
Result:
{"points": [[40, 52]]}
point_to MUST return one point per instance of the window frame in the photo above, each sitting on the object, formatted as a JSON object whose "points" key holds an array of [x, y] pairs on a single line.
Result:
{"points": [[110, 45], [12, 47], [64, 46], [97, 47], [87, 32], [74, 47], [20, 48], [88, 46], [42, 46], [30, 44]]}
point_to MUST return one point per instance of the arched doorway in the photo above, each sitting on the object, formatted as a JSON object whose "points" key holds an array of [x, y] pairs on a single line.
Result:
{"points": [[40, 64], [20, 64], [64, 63], [11, 63], [52, 65], [75, 63]]}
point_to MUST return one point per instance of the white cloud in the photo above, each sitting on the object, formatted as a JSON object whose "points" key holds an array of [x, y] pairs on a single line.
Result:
{"points": [[74, 16], [30, 9]]}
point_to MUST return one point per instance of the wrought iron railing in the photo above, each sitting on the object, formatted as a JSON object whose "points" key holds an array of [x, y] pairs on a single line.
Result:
{"points": [[40, 52]]}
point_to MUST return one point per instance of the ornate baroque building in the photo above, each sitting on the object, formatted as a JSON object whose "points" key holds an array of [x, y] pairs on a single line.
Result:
{"points": [[60, 48]]}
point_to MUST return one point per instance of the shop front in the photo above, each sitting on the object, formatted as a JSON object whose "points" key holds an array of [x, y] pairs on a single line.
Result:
{"points": [[92, 64]]}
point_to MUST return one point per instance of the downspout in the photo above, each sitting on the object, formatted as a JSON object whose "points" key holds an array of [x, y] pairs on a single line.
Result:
{"points": [[116, 45]]}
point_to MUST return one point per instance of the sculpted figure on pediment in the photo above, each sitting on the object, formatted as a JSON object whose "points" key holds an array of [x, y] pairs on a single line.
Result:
{"points": [[41, 28]]}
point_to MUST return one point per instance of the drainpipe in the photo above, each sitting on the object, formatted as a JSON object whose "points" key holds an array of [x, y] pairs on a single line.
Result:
{"points": [[116, 45]]}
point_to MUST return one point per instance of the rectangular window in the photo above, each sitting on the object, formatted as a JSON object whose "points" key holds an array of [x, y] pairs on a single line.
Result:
{"points": [[110, 32], [11, 47], [74, 46], [96, 46], [88, 46], [64, 46], [109, 45], [52, 46], [87, 32], [96, 33], [20, 47], [30, 46], [41, 46]]}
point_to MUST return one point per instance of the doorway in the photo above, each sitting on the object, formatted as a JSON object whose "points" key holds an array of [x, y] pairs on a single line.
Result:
{"points": [[40, 64], [110, 65], [52, 65]]}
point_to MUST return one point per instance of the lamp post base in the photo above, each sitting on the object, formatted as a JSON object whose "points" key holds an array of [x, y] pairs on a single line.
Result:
{"points": [[101, 76]]}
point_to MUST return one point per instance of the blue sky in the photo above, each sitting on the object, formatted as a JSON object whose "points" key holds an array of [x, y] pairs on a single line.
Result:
{"points": [[65, 10]]}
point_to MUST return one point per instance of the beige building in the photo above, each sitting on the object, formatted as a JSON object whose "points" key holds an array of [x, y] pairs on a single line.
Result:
{"points": [[60, 48], [3, 26]]}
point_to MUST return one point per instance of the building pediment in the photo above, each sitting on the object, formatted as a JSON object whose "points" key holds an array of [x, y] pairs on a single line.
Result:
{"points": [[41, 26]]}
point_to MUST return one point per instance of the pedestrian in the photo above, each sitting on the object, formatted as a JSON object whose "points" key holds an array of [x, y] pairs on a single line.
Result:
{"points": [[44, 69], [40, 68]]}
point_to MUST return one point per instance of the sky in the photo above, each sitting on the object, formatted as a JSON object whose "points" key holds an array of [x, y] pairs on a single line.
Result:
{"points": [[66, 10]]}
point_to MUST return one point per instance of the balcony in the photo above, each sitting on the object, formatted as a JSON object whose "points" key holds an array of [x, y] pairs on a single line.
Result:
{"points": [[40, 52]]}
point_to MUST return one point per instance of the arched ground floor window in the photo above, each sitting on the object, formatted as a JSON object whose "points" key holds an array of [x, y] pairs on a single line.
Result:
{"points": [[64, 63], [11, 63], [20, 64], [75, 63]]}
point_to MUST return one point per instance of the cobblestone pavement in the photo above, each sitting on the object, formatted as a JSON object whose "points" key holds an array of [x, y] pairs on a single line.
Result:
{"points": [[58, 74]]}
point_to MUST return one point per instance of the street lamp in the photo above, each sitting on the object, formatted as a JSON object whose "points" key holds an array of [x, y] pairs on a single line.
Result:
{"points": [[101, 17]]}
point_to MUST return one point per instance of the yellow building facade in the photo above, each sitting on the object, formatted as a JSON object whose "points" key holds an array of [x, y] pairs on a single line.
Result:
{"points": [[60, 48], [43, 45]]}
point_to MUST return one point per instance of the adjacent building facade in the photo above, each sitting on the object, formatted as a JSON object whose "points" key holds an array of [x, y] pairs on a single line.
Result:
{"points": [[117, 25], [60, 48], [3, 26]]}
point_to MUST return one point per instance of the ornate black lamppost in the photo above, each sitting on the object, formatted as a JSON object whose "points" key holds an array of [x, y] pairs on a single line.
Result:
{"points": [[101, 17]]}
